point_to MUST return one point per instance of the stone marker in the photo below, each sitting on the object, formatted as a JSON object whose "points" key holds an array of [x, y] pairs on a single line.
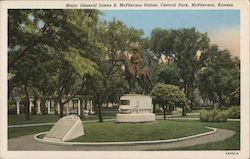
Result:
{"points": [[135, 108], [66, 128]]}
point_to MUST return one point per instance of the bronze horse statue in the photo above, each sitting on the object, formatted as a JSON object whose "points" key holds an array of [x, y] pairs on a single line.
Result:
{"points": [[144, 74]]}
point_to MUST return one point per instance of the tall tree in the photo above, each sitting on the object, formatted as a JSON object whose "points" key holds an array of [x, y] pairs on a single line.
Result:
{"points": [[220, 75], [182, 47], [51, 40], [168, 73]]}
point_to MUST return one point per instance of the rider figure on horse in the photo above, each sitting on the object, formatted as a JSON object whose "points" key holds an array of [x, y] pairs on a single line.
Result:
{"points": [[136, 60]]}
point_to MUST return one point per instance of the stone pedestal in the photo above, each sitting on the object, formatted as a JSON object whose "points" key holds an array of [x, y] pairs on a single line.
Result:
{"points": [[135, 108], [133, 118]]}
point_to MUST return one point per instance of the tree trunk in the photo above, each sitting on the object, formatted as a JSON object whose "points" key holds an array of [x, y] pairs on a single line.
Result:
{"points": [[84, 104], [191, 99], [221, 101], [27, 102], [164, 112], [35, 106], [61, 108], [187, 95], [184, 110], [100, 109]]}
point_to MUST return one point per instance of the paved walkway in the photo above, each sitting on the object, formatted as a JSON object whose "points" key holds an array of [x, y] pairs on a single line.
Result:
{"points": [[28, 143]]}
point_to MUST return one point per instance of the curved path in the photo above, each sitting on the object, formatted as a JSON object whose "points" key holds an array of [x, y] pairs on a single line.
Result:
{"points": [[28, 143]]}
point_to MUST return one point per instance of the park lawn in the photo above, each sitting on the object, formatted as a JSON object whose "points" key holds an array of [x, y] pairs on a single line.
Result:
{"points": [[111, 131], [17, 132], [20, 119], [189, 116], [159, 130], [97, 118], [178, 114], [163, 130], [232, 143], [21, 131]]}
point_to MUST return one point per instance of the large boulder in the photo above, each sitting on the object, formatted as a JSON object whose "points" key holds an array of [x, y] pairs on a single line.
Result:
{"points": [[66, 128]]}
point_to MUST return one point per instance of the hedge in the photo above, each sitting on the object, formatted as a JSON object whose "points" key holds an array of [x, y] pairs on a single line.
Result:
{"points": [[234, 112], [214, 115]]}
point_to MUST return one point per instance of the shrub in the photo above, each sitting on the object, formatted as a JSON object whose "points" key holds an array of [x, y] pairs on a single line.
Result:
{"points": [[12, 110], [220, 116], [22, 109], [233, 112], [44, 110], [33, 110], [55, 112], [203, 116], [158, 110], [214, 115]]}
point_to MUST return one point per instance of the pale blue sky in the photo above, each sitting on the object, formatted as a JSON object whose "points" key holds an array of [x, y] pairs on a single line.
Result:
{"points": [[203, 20], [222, 26]]}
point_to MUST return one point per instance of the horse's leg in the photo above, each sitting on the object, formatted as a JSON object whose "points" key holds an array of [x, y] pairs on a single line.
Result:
{"points": [[142, 83], [132, 85]]}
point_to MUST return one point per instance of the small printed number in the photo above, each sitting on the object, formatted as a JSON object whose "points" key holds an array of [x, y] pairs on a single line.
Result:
{"points": [[232, 153]]}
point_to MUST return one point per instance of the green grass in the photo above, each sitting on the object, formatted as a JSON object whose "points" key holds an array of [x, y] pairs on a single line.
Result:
{"points": [[189, 116], [160, 130], [20, 119], [95, 117], [17, 132], [111, 131], [232, 143]]}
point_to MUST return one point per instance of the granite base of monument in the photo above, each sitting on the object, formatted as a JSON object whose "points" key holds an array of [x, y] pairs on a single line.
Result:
{"points": [[66, 128], [135, 108]]}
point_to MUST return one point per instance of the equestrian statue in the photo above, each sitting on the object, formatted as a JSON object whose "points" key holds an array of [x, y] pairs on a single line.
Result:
{"points": [[134, 71]]}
